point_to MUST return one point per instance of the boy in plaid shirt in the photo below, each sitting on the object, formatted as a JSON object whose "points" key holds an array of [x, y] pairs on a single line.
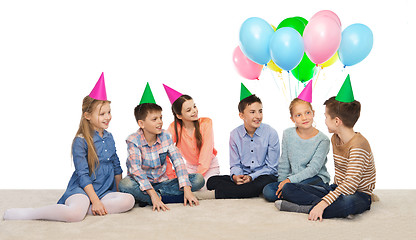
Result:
{"points": [[148, 149]]}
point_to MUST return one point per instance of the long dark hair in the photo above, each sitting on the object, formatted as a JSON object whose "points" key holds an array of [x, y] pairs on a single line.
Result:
{"points": [[177, 110]]}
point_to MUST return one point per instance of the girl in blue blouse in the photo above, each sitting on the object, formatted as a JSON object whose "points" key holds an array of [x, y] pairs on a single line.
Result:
{"points": [[304, 151], [93, 187]]}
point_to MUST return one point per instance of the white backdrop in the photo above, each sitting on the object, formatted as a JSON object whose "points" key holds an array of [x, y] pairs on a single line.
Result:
{"points": [[53, 52]]}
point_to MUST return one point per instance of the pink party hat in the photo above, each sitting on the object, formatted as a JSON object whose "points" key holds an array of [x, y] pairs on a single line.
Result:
{"points": [[172, 94], [306, 94], [98, 92]]}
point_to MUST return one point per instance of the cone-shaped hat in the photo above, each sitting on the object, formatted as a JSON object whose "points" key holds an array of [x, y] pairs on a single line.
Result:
{"points": [[244, 92], [306, 94], [147, 96], [172, 94], [345, 94], [98, 92]]}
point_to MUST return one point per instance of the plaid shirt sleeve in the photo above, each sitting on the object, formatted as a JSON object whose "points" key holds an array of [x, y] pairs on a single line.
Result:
{"points": [[178, 163], [134, 163]]}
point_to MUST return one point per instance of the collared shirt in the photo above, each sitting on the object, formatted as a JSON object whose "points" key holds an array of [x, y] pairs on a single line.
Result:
{"points": [[147, 164], [254, 156], [103, 179], [106, 153]]}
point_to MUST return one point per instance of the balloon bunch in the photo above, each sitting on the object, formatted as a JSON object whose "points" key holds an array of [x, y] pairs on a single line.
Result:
{"points": [[299, 46]]}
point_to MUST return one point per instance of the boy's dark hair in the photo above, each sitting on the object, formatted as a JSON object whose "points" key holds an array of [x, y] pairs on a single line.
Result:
{"points": [[141, 110], [347, 112], [247, 101]]}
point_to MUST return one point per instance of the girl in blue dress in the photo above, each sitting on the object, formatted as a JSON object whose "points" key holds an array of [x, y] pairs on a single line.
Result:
{"points": [[93, 187]]}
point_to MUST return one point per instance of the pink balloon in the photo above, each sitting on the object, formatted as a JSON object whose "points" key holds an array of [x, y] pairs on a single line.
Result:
{"points": [[245, 67], [328, 13], [322, 37]]}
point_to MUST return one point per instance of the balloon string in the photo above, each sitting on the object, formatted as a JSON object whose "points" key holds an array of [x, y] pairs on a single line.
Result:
{"points": [[297, 88], [277, 85], [290, 88], [284, 85], [317, 76]]}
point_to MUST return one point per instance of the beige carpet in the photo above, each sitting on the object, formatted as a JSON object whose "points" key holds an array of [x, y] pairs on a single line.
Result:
{"points": [[393, 217]]}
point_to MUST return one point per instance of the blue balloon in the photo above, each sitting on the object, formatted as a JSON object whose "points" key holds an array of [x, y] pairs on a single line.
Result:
{"points": [[255, 34], [356, 44], [286, 48]]}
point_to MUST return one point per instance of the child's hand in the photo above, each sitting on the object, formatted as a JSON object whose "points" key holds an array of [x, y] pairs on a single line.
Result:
{"points": [[280, 187], [317, 211], [156, 201], [97, 208], [238, 179], [158, 204], [188, 196], [247, 178]]}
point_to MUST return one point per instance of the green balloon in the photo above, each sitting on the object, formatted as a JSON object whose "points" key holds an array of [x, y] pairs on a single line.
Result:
{"points": [[305, 22], [305, 69], [294, 23]]}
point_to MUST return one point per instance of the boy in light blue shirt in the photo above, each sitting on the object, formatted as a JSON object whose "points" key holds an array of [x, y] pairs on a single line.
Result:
{"points": [[254, 153]]}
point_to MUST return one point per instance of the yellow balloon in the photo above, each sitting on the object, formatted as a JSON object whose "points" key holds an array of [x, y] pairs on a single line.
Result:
{"points": [[273, 66], [330, 61], [274, 28]]}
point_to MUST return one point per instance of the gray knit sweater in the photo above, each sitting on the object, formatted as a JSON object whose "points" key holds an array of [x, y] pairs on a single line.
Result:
{"points": [[302, 159]]}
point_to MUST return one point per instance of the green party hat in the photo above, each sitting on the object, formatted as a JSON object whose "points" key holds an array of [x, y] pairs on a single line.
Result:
{"points": [[147, 96], [345, 94], [244, 92]]}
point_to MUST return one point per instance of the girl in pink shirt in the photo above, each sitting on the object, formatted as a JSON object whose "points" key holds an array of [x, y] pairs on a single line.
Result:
{"points": [[194, 138]]}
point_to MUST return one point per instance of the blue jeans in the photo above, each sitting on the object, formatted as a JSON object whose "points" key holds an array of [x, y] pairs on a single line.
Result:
{"points": [[168, 190], [345, 205], [269, 191]]}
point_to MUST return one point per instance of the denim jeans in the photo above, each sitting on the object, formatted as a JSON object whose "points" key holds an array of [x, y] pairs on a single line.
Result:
{"points": [[269, 191], [168, 190], [345, 205]]}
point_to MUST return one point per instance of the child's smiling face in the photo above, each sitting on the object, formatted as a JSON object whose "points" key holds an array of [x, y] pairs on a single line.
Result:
{"points": [[100, 118], [252, 116], [189, 111], [153, 123]]}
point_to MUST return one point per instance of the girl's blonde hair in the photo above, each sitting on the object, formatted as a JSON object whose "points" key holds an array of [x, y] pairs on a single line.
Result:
{"points": [[297, 101], [86, 130]]}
